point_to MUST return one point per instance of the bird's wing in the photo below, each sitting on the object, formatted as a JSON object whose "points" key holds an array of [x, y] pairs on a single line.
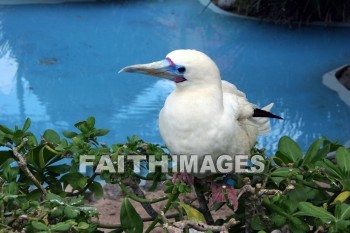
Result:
{"points": [[228, 87], [238, 101], [244, 110], [263, 123]]}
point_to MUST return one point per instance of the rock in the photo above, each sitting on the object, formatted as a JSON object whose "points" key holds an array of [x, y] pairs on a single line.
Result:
{"points": [[343, 76], [226, 4]]}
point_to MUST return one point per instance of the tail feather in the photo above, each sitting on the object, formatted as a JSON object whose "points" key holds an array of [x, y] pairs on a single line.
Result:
{"points": [[263, 123], [262, 113]]}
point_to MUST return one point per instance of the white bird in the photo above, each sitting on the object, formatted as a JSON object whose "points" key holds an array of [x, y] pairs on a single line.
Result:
{"points": [[204, 115]]}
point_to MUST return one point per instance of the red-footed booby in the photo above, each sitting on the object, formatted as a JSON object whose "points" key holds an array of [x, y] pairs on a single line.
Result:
{"points": [[204, 115]]}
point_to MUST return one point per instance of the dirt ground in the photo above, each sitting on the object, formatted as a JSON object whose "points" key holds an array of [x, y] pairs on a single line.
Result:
{"points": [[109, 206]]}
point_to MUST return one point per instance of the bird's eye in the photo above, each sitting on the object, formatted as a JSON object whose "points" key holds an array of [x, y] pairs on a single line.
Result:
{"points": [[181, 69]]}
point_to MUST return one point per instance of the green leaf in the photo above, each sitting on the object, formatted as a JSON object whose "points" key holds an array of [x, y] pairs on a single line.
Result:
{"points": [[71, 212], [18, 134], [282, 158], [90, 122], [343, 225], [337, 211], [298, 226], [277, 160], [289, 147], [343, 159], [32, 141], [257, 224], [345, 182], [283, 172], [312, 154], [278, 220], [298, 194], [75, 179], [59, 169], [82, 182], [7, 174], [34, 195], [76, 201], [169, 189], [41, 158], [277, 180], [69, 134], [11, 173], [97, 189], [4, 156], [62, 226], [56, 212], [6, 130], [51, 136], [192, 214], [101, 132], [83, 226], [88, 210], [279, 210], [332, 169], [26, 125], [345, 211], [54, 198], [82, 126], [308, 209], [130, 220], [13, 188], [34, 204], [39, 226]]}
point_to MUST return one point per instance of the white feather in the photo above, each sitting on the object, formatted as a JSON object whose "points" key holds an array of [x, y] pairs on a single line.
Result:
{"points": [[205, 115]]}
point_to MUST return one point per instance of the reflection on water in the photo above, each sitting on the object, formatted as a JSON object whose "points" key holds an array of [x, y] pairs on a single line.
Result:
{"points": [[17, 99], [58, 65], [147, 103], [8, 66]]}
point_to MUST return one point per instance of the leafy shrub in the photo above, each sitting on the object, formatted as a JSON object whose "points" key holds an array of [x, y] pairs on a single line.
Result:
{"points": [[297, 192], [295, 11]]}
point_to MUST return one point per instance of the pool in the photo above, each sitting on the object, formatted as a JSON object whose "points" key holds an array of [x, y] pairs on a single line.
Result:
{"points": [[59, 63]]}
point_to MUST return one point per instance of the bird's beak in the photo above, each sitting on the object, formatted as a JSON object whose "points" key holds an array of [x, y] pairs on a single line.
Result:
{"points": [[162, 69]]}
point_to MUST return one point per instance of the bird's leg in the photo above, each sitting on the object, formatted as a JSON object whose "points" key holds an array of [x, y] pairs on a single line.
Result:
{"points": [[203, 206], [197, 184], [138, 192]]}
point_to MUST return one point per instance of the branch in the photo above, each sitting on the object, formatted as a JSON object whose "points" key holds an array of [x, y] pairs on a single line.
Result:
{"points": [[118, 226], [140, 194], [88, 183], [248, 189], [178, 227], [253, 202], [203, 207], [139, 199], [2, 204], [172, 197], [23, 165], [146, 178]]}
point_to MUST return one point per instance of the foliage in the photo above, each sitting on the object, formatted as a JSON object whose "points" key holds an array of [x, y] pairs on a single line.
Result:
{"points": [[295, 11], [43, 191]]}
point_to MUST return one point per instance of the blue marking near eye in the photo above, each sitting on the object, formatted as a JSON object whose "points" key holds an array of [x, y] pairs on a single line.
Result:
{"points": [[180, 69]]}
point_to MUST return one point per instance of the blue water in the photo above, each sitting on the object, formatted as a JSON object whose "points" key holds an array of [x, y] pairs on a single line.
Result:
{"points": [[59, 63]]}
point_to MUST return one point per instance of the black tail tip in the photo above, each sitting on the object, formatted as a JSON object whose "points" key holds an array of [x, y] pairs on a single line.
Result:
{"points": [[262, 113]]}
